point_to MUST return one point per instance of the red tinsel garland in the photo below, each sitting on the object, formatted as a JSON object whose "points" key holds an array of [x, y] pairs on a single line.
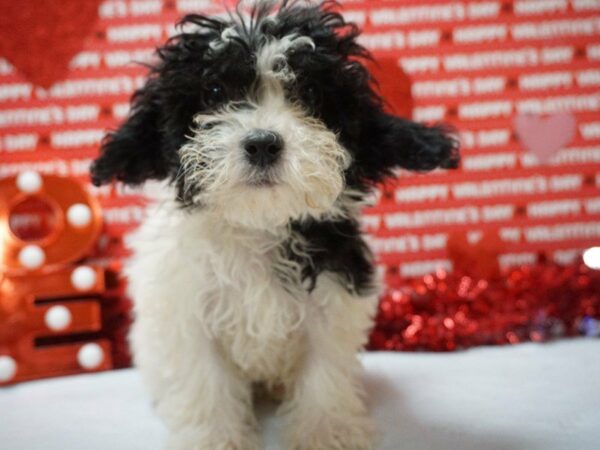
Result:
{"points": [[449, 311]]}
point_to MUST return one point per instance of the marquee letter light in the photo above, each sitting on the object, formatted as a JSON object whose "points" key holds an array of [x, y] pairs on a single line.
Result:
{"points": [[50, 311]]}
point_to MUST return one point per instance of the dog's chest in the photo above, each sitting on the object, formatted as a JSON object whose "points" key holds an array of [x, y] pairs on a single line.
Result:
{"points": [[256, 320]]}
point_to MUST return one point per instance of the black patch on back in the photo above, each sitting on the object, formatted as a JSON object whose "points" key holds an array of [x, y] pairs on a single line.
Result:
{"points": [[338, 248]]}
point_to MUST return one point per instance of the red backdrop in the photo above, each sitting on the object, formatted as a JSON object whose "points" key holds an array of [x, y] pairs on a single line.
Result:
{"points": [[497, 70], [518, 79]]}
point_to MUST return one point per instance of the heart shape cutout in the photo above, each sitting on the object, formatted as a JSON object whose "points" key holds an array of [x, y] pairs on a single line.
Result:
{"points": [[545, 136], [477, 257], [40, 37], [393, 84]]}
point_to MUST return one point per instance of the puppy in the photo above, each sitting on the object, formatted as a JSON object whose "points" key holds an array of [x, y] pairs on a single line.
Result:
{"points": [[269, 134]]}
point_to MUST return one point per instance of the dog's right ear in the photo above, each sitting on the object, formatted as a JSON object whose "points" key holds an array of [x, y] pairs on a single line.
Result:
{"points": [[133, 153], [145, 146]]}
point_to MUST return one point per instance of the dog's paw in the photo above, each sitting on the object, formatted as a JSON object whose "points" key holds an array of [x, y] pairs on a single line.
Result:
{"points": [[204, 438], [332, 433]]}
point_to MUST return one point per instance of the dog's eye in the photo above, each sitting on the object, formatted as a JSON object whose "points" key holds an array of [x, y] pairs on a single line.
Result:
{"points": [[214, 94]]}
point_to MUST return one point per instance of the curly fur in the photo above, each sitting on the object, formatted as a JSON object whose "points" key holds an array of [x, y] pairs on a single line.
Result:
{"points": [[250, 273]]}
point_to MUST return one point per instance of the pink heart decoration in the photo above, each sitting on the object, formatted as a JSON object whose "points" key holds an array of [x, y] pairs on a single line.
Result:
{"points": [[545, 136]]}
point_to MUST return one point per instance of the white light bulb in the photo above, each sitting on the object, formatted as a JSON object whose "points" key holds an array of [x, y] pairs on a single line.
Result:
{"points": [[90, 356], [29, 182], [8, 368], [58, 317], [32, 256], [591, 258], [79, 215], [83, 278]]}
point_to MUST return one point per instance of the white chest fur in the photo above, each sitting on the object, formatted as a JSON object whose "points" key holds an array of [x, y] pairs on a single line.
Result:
{"points": [[220, 280], [212, 316]]}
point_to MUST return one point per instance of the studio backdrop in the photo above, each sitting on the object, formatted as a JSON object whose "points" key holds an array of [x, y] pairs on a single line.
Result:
{"points": [[487, 254]]}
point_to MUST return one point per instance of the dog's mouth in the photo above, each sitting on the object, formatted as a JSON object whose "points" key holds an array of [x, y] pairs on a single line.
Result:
{"points": [[264, 182], [262, 179]]}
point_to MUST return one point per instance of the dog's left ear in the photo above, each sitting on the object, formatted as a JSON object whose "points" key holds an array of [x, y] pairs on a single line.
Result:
{"points": [[387, 142]]}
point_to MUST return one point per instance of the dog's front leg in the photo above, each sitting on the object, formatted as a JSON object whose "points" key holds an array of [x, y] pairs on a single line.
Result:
{"points": [[204, 401], [326, 409], [209, 407]]}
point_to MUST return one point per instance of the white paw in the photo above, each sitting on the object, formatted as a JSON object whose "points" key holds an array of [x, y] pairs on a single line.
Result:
{"points": [[204, 438], [332, 433]]}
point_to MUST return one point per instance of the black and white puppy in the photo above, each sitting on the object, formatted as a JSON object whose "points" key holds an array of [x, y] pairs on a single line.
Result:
{"points": [[269, 133]]}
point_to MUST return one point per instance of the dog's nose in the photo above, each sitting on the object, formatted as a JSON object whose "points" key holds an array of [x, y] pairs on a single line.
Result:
{"points": [[262, 147]]}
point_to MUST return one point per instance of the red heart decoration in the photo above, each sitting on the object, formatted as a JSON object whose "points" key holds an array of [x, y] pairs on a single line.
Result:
{"points": [[393, 84], [543, 137], [40, 37], [480, 258]]}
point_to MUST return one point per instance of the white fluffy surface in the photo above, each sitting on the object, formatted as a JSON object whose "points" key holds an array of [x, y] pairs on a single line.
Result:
{"points": [[526, 397]]}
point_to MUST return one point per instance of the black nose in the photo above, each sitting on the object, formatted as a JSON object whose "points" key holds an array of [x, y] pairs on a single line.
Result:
{"points": [[262, 147]]}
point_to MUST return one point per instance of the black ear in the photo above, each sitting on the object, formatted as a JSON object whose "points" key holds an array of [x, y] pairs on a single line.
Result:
{"points": [[133, 154], [387, 142], [145, 146]]}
